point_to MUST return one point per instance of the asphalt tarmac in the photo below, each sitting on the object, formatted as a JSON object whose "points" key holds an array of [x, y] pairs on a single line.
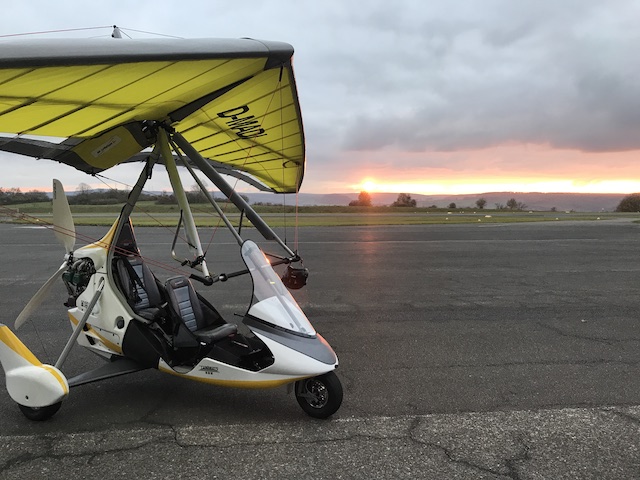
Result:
{"points": [[466, 351]]}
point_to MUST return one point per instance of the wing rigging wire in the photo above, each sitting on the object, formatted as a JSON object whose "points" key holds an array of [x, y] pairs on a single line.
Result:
{"points": [[82, 237], [33, 220], [55, 31], [278, 90], [102, 27], [145, 32], [201, 185], [157, 263], [240, 147], [284, 197], [139, 209]]}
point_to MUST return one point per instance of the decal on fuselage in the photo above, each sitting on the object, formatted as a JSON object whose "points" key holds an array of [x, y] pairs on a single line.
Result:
{"points": [[208, 370]]}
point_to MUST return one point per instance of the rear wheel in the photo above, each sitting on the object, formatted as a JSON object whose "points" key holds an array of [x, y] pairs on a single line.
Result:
{"points": [[320, 397], [40, 413]]}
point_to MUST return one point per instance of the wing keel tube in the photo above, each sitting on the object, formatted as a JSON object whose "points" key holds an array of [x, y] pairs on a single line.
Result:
{"points": [[29, 382]]}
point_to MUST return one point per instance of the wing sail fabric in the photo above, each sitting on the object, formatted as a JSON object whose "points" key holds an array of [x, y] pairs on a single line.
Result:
{"points": [[234, 100]]}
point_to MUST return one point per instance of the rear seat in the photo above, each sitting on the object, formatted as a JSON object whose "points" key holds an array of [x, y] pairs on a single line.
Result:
{"points": [[139, 287]]}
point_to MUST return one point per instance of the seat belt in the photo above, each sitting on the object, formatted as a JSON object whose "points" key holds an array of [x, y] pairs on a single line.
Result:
{"points": [[133, 279]]}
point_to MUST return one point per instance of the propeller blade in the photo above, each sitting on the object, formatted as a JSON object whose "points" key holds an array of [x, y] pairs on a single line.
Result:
{"points": [[37, 299], [63, 225]]}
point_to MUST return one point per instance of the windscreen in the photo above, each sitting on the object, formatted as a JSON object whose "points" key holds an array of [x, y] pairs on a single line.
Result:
{"points": [[272, 301]]}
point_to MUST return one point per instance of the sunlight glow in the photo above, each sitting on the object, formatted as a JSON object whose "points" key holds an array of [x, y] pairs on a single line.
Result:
{"points": [[466, 186], [369, 185], [502, 168]]}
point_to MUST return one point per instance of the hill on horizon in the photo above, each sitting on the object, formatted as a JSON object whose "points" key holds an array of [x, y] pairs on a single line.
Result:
{"points": [[579, 202]]}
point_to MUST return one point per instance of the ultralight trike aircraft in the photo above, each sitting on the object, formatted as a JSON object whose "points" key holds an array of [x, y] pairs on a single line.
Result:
{"points": [[219, 106]]}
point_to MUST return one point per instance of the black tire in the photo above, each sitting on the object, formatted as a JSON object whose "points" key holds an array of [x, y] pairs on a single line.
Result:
{"points": [[320, 397], [39, 414]]}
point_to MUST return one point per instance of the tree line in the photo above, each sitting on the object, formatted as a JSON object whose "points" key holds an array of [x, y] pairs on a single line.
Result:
{"points": [[629, 203], [84, 195], [405, 200], [13, 196]]}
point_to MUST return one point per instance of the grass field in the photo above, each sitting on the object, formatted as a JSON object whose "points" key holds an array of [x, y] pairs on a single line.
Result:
{"points": [[150, 214]]}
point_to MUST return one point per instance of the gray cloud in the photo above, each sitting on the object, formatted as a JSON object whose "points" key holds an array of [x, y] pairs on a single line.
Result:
{"points": [[565, 76], [422, 76]]}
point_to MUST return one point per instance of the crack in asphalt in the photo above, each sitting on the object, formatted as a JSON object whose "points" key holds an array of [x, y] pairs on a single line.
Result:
{"points": [[55, 448], [417, 422], [606, 341], [21, 459], [522, 456], [628, 417], [496, 445]]}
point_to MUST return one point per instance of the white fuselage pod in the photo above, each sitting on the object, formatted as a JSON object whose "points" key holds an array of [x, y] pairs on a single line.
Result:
{"points": [[289, 366]]}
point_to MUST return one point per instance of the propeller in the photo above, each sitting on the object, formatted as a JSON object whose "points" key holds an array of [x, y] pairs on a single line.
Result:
{"points": [[65, 232], [40, 295], [63, 225]]}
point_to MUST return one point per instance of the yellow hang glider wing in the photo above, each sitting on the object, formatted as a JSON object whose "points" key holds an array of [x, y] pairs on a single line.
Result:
{"points": [[235, 101]]}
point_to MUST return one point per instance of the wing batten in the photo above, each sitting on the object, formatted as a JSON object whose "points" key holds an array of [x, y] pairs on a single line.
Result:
{"points": [[184, 112]]}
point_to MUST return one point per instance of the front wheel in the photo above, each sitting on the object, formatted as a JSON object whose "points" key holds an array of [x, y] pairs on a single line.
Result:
{"points": [[320, 397], [40, 413]]}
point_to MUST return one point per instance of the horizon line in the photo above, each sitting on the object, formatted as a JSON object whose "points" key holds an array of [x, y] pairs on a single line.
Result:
{"points": [[356, 193]]}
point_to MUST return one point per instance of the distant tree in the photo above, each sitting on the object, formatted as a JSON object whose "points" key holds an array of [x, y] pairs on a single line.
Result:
{"points": [[364, 200], [452, 205], [404, 200], [512, 204], [166, 198], [83, 192], [499, 206], [521, 206], [554, 209], [630, 203], [195, 195], [83, 188], [481, 202]]}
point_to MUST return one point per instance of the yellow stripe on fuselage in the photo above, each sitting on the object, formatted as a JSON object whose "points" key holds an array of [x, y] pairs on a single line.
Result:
{"points": [[57, 376], [107, 343], [10, 340], [234, 383]]}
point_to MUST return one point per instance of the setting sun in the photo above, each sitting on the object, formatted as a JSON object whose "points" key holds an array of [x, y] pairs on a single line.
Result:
{"points": [[368, 185]]}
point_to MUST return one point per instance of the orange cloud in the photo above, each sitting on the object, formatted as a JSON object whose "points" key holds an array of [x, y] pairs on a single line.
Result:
{"points": [[522, 168]]}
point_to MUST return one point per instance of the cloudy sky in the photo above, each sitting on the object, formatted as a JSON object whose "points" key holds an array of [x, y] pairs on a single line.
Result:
{"points": [[417, 96]]}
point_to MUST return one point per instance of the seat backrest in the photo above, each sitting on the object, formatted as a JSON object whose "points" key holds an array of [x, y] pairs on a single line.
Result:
{"points": [[138, 283], [184, 301]]}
